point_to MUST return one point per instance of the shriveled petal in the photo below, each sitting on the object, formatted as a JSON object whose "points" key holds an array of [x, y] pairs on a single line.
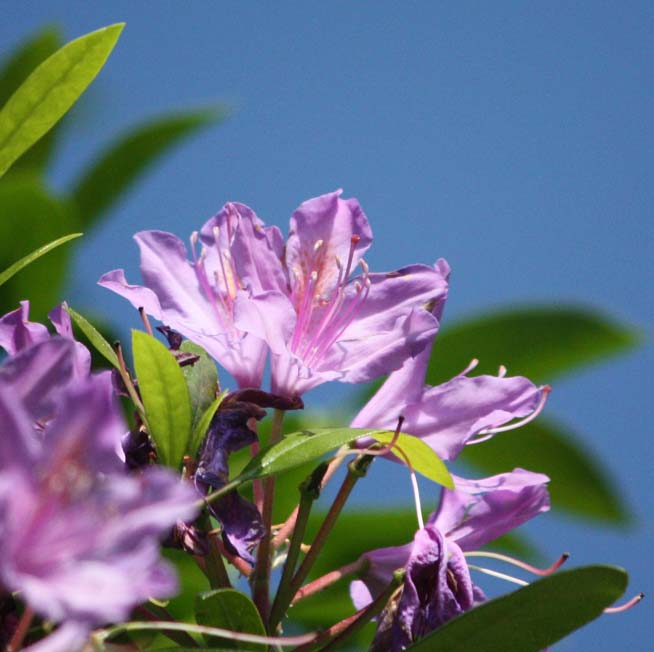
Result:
{"points": [[321, 231], [17, 332], [479, 511]]}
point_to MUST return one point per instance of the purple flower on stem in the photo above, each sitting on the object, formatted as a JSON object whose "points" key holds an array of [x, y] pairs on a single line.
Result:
{"points": [[197, 298], [461, 411], [437, 583], [79, 537], [325, 326]]}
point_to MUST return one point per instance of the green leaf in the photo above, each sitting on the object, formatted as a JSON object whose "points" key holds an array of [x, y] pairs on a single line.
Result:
{"points": [[200, 430], [540, 343], [18, 67], [533, 617], [28, 209], [229, 609], [37, 253], [103, 182], [51, 90], [165, 397], [579, 483], [94, 337], [299, 448], [421, 456], [202, 380]]}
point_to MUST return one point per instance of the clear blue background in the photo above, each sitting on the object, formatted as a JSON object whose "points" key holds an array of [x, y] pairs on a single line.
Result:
{"points": [[514, 139]]}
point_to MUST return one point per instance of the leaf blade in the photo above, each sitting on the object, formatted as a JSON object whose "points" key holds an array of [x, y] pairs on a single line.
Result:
{"points": [[117, 168], [50, 90], [533, 617], [165, 397], [94, 337], [34, 255]]}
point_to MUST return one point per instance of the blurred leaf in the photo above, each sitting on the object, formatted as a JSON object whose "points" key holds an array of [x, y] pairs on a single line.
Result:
{"points": [[35, 255], [298, 448], [421, 456], [540, 343], [533, 617], [52, 88], [229, 609], [29, 216], [94, 336], [18, 67], [103, 182], [202, 380], [165, 397], [578, 484], [192, 581]]}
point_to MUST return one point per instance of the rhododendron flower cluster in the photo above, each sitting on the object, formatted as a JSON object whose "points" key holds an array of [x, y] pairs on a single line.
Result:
{"points": [[90, 493]]}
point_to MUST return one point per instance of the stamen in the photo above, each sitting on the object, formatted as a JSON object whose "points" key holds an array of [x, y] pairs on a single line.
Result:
{"points": [[627, 605], [542, 572], [354, 241], [317, 244], [502, 576], [544, 394], [473, 364], [501, 372]]}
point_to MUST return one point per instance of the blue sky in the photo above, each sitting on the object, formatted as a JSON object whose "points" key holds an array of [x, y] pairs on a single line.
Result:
{"points": [[513, 139]]}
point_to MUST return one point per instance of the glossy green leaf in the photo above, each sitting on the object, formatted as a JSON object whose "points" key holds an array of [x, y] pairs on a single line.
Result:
{"points": [[540, 343], [165, 397], [229, 609], [299, 448], [115, 170], [30, 216], [36, 254], [94, 337], [530, 619], [17, 68], [421, 456], [202, 380], [50, 90], [579, 483]]}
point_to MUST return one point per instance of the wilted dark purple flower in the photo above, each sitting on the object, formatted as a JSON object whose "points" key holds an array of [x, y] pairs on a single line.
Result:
{"points": [[437, 583], [78, 536]]}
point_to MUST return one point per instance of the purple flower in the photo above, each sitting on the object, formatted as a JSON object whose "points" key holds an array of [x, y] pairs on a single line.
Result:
{"points": [[321, 325], [197, 298], [449, 415], [437, 584], [17, 333], [79, 537]]}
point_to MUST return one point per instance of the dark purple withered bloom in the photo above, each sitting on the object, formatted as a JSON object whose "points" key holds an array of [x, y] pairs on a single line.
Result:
{"points": [[197, 297], [78, 535], [323, 325], [437, 584], [450, 415]]}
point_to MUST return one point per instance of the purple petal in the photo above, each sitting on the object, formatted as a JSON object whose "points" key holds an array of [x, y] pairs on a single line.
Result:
{"points": [[69, 637], [17, 332], [479, 511], [61, 321], [321, 231], [18, 443], [137, 295]]}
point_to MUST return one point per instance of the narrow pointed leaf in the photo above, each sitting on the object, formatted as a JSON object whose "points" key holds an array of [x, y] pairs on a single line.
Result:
{"points": [[165, 397], [30, 258], [533, 617], [17, 68], [110, 176], [94, 337], [229, 609], [200, 430], [299, 448], [421, 457], [52, 88], [540, 343], [579, 483]]}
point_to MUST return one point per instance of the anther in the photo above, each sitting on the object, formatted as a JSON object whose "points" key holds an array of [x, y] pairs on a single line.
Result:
{"points": [[501, 372], [627, 605], [317, 244]]}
